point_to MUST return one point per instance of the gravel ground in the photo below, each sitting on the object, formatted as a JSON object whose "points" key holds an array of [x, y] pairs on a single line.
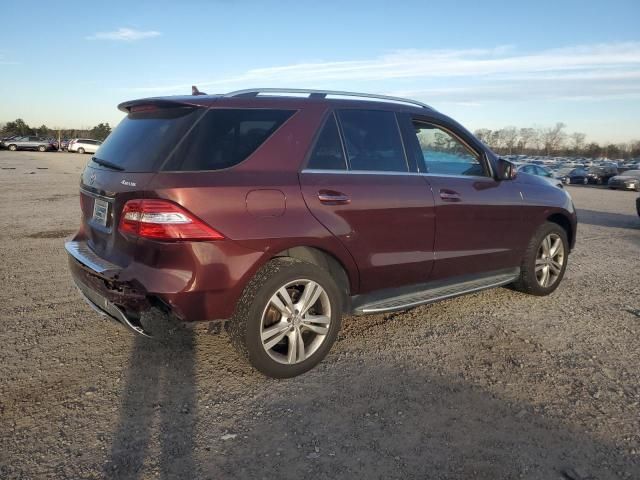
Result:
{"points": [[492, 385]]}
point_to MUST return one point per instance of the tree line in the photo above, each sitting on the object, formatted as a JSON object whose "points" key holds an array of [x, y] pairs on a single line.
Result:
{"points": [[555, 141], [20, 127], [510, 140]]}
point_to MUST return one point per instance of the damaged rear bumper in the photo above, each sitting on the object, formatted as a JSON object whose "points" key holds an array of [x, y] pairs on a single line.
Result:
{"points": [[96, 280]]}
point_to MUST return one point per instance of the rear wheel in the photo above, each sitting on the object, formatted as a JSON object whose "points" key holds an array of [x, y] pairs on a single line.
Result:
{"points": [[13, 148], [545, 261], [585, 181], [81, 150], [287, 318], [42, 148]]}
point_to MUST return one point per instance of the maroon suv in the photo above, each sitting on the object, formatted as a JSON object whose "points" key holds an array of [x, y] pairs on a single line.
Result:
{"points": [[284, 210]]}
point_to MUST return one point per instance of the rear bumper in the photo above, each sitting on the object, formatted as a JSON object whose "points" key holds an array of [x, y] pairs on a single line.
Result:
{"points": [[198, 281], [110, 310], [112, 299]]}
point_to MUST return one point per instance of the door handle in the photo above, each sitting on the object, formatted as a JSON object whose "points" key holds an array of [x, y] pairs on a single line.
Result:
{"points": [[331, 197], [450, 195]]}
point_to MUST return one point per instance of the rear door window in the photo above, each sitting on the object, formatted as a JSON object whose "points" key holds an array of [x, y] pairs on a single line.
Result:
{"points": [[327, 153], [372, 140], [225, 137]]}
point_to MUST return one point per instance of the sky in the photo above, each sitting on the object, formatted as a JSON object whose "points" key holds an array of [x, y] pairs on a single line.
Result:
{"points": [[488, 64]]}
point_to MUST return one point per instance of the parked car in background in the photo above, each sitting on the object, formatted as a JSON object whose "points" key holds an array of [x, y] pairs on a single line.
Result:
{"points": [[283, 213], [579, 176], [28, 143], [84, 145], [540, 171], [569, 175], [601, 175], [629, 180], [64, 144]]}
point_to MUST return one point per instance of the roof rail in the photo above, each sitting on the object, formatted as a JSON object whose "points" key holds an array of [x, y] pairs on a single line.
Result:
{"points": [[254, 92]]}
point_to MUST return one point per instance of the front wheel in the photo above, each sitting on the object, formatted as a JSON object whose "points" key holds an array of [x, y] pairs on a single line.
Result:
{"points": [[42, 148], [13, 148], [287, 318], [81, 150], [544, 261]]}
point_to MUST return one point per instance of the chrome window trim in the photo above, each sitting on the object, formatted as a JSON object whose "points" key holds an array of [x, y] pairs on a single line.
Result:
{"points": [[382, 172]]}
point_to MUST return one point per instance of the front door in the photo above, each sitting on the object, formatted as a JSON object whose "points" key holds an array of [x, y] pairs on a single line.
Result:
{"points": [[478, 218]]}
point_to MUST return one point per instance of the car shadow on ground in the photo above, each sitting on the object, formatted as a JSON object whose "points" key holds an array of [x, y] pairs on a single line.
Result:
{"points": [[608, 219], [157, 411], [363, 417]]}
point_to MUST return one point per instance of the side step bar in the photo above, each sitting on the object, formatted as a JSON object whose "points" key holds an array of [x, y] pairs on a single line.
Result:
{"points": [[107, 309], [410, 300]]}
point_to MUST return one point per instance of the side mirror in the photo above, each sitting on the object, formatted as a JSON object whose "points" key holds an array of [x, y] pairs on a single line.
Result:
{"points": [[506, 169]]}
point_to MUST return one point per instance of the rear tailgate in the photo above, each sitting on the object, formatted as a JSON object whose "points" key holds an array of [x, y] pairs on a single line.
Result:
{"points": [[121, 170]]}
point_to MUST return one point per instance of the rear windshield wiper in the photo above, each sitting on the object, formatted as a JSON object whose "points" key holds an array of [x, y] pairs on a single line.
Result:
{"points": [[106, 163]]}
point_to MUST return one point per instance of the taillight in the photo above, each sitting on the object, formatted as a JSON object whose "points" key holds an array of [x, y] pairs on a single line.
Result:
{"points": [[163, 220]]}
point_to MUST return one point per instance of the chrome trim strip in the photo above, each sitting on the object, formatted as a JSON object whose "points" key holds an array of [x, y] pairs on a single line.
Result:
{"points": [[95, 195], [376, 172], [82, 253], [356, 172], [338, 93], [435, 299]]}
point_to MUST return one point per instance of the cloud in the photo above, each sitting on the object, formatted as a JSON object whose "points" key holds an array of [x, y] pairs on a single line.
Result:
{"points": [[124, 35], [503, 73]]}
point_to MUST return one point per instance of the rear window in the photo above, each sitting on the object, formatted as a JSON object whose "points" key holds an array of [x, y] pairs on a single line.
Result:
{"points": [[372, 140], [142, 141], [225, 137]]}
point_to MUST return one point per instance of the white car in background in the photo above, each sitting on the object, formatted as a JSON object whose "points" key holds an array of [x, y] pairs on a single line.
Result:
{"points": [[84, 145]]}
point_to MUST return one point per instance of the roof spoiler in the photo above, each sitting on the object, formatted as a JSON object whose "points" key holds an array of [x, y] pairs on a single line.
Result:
{"points": [[154, 103]]}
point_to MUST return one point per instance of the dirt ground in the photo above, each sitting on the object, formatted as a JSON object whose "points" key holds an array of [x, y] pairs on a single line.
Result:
{"points": [[488, 386]]}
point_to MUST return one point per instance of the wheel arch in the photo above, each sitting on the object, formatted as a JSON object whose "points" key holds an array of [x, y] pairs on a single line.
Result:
{"points": [[565, 223], [327, 261]]}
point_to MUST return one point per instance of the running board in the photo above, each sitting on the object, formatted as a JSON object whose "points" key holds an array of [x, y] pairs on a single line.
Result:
{"points": [[410, 300]]}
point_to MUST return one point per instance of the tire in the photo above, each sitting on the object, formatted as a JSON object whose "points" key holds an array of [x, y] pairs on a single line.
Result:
{"points": [[585, 181], [13, 148], [81, 150], [567, 181], [42, 148], [530, 273], [256, 312]]}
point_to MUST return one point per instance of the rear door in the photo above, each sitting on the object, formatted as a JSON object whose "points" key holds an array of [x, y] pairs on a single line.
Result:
{"points": [[358, 184], [478, 219]]}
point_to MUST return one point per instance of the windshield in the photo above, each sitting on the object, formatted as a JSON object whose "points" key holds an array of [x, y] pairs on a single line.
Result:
{"points": [[142, 141]]}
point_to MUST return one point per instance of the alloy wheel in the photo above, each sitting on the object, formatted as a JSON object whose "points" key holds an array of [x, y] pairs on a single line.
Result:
{"points": [[550, 260], [295, 321]]}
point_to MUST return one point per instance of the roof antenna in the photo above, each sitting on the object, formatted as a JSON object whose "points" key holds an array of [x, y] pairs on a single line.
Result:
{"points": [[195, 91]]}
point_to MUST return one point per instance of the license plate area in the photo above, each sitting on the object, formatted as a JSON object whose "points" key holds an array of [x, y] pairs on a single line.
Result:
{"points": [[100, 212]]}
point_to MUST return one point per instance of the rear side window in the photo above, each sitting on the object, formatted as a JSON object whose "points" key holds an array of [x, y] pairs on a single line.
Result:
{"points": [[372, 140], [142, 141], [327, 153], [225, 137]]}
